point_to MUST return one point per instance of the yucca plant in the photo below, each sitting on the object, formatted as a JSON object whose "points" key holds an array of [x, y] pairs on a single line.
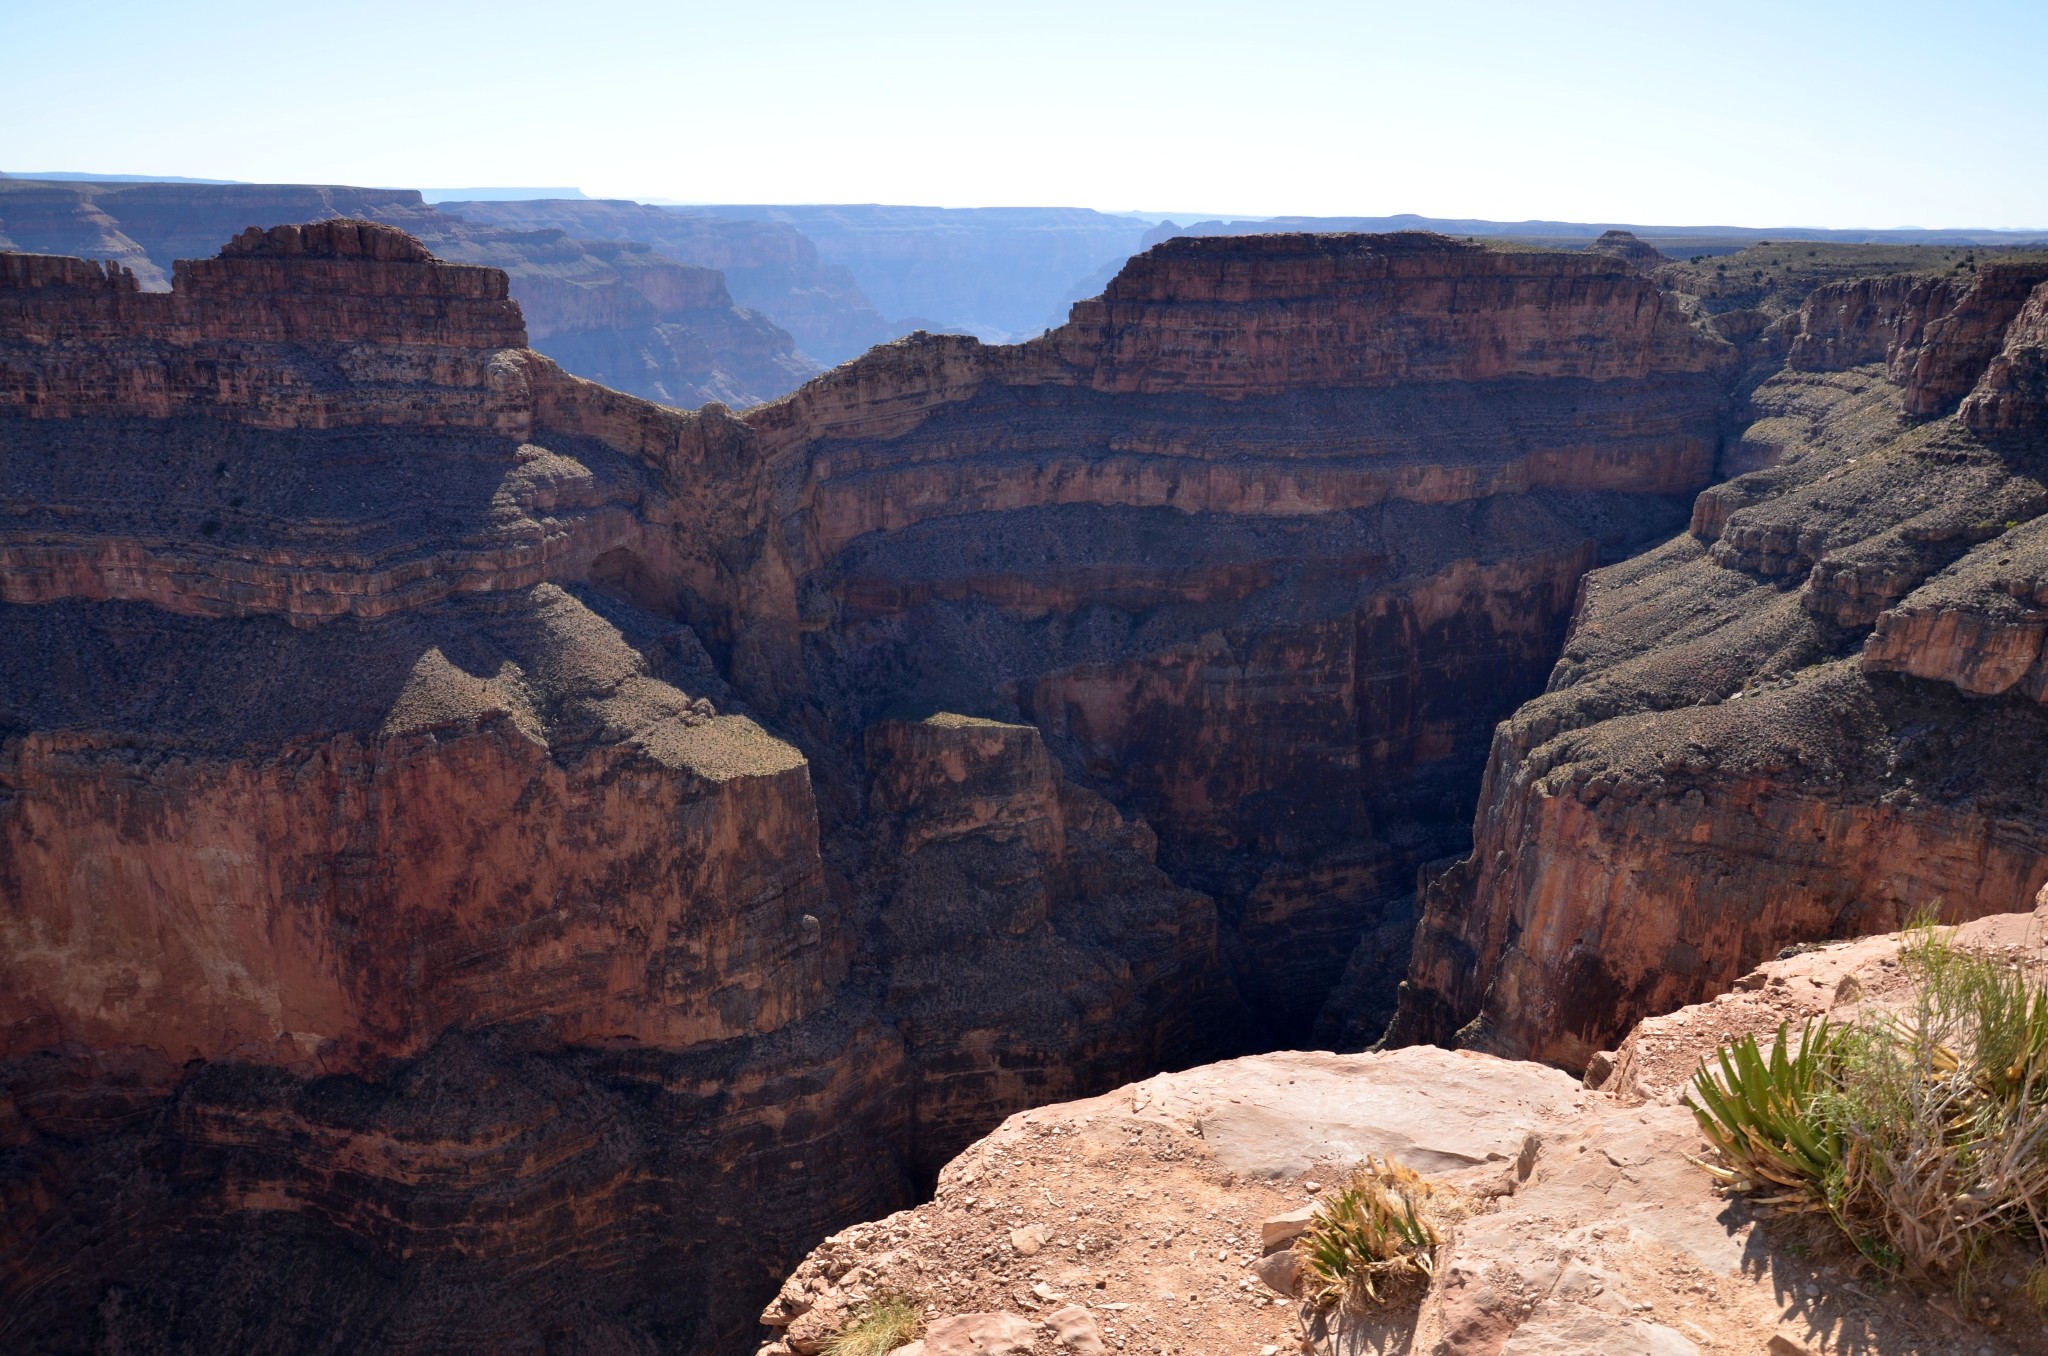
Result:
{"points": [[1762, 1114], [1922, 1133], [1373, 1240]]}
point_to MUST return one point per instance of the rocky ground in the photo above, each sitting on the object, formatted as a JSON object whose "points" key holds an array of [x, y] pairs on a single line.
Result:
{"points": [[1157, 1218]]}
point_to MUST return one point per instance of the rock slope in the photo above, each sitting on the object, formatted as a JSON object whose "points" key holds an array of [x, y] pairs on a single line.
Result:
{"points": [[1159, 1217], [1809, 716]]}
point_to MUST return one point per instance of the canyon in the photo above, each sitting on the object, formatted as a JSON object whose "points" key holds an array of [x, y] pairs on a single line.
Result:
{"points": [[648, 312], [517, 864], [1809, 716]]}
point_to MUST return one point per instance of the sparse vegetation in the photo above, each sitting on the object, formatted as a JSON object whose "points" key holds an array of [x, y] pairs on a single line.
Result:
{"points": [[1375, 1241], [886, 1323], [1921, 1133]]}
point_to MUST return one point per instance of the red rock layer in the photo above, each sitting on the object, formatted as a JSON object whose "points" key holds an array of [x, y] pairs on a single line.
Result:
{"points": [[1954, 349], [359, 778], [2012, 395], [1813, 717], [1277, 312], [356, 324], [1264, 540]]}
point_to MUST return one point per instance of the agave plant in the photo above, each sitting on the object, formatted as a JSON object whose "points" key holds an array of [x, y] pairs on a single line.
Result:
{"points": [[1762, 1114], [1921, 1131]]}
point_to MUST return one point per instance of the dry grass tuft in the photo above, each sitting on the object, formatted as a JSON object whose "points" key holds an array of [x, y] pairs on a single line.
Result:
{"points": [[1375, 1241], [884, 1324]]}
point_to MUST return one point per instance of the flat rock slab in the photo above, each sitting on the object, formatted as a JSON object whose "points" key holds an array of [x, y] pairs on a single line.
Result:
{"points": [[1435, 1110], [1151, 1221], [979, 1335]]}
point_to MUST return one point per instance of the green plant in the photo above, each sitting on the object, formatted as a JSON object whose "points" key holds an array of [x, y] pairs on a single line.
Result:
{"points": [[885, 1323], [1374, 1240], [1762, 1114], [1922, 1133]]}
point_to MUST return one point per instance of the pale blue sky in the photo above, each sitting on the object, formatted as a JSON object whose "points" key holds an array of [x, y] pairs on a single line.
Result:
{"points": [[1820, 114]]}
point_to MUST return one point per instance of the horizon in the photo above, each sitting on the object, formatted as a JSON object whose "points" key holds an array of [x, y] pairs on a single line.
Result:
{"points": [[437, 196], [1486, 112]]}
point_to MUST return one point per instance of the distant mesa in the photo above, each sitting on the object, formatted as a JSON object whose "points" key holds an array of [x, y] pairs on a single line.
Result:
{"points": [[1626, 245], [501, 194]]}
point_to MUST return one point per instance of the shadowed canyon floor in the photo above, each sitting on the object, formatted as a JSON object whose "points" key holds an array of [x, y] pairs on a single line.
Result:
{"points": [[516, 864]]}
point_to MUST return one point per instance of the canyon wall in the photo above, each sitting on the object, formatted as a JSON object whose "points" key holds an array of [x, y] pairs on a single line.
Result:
{"points": [[465, 831], [617, 311], [1816, 714], [396, 901], [1264, 541]]}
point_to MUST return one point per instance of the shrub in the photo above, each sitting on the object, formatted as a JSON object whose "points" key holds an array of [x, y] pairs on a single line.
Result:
{"points": [[1374, 1241], [884, 1324], [1921, 1133], [1763, 1117]]}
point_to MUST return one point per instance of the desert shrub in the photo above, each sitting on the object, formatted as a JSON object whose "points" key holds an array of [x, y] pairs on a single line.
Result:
{"points": [[1763, 1116], [1921, 1133], [1375, 1241], [882, 1325]]}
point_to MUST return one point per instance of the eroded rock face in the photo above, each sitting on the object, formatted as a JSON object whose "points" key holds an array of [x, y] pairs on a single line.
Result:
{"points": [[391, 887], [1023, 936], [1263, 542], [391, 718], [1812, 716]]}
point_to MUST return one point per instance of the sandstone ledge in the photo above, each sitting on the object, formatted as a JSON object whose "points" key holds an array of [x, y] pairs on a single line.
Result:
{"points": [[1139, 1220]]}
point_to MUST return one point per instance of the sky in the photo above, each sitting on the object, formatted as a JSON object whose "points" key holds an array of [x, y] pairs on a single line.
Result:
{"points": [[1871, 114]]}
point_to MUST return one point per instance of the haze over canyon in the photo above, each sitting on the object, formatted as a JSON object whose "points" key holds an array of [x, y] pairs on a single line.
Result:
{"points": [[557, 754]]}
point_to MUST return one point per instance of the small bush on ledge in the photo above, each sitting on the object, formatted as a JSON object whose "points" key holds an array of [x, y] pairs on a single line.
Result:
{"points": [[1921, 1133], [884, 1324], [1375, 1241]]}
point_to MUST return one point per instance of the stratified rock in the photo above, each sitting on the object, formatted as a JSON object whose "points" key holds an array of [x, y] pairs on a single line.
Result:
{"points": [[1026, 942], [1730, 759], [1955, 348], [1263, 542], [474, 848], [2012, 395]]}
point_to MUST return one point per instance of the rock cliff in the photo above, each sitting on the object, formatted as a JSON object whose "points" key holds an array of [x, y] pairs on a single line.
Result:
{"points": [[388, 879], [1161, 1215], [420, 762], [622, 313], [1810, 716], [1263, 542]]}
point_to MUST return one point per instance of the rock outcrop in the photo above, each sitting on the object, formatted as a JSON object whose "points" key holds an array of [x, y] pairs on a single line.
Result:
{"points": [[1812, 716], [1263, 542], [614, 311], [1161, 1216]]}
